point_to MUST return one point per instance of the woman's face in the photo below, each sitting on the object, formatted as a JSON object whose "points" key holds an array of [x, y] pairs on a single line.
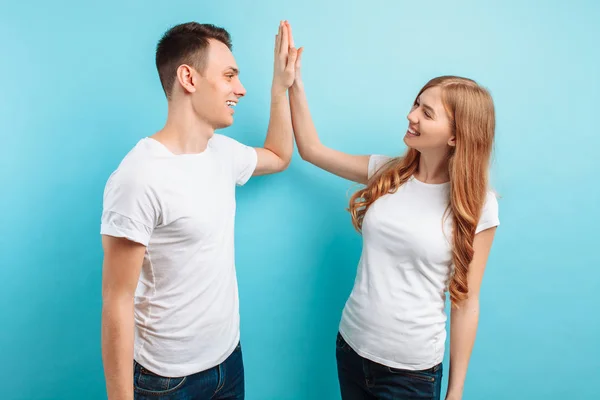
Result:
{"points": [[429, 127]]}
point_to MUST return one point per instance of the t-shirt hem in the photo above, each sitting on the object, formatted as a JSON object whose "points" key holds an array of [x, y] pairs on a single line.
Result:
{"points": [[110, 230], [487, 225], [178, 370], [388, 363]]}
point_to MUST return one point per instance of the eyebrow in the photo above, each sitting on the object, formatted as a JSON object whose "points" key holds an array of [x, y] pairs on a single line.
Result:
{"points": [[233, 69]]}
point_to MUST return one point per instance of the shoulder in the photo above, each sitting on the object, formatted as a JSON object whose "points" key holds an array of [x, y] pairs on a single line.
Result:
{"points": [[219, 141], [137, 172], [489, 213], [491, 202], [376, 163], [131, 177]]}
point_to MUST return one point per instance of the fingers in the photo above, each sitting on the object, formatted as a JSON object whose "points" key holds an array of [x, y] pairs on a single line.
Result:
{"points": [[278, 39], [299, 57], [291, 38], [285, 43], [292, 59]]}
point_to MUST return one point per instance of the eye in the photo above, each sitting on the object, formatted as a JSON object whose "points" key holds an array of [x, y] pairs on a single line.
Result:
{"points": [[427, 114], [230, 76]]}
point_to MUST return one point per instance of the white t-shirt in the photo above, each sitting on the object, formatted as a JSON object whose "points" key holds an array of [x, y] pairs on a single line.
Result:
{"points": [[182, 208], [395, 314]]}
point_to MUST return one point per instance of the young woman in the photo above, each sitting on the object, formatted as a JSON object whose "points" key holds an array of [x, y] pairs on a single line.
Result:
{"points": [[428, 221]]}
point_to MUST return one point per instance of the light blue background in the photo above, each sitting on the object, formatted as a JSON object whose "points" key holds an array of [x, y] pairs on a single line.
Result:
{"points": [[79, 89]]}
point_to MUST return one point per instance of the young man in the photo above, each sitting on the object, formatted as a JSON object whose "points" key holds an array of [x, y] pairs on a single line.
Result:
{"points": [[170, 315]]}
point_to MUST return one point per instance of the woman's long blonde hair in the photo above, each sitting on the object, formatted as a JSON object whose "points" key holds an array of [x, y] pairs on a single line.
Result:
{"points": [[471, 112]]}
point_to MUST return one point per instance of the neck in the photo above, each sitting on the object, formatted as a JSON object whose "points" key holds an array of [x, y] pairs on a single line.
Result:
{"points": [[183, 132], [433, 168]]}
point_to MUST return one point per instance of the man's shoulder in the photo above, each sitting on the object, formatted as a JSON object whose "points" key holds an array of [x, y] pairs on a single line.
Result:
{"points": [[220, 141], [138, 167]]}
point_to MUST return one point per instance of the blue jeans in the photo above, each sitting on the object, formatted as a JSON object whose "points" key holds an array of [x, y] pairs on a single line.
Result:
{"points": [[223, 382], [364, 379]]}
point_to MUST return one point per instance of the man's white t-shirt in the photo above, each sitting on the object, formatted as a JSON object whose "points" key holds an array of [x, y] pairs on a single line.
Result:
{"points": [[395, 314], [182, 208]]}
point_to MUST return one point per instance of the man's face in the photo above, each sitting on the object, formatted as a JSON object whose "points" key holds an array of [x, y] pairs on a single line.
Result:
{"points": [[218, 87]]}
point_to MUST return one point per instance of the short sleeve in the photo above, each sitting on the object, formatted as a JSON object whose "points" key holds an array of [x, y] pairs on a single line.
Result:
{"points": [[245, 159], [130, 209], [489, 215], [375, 163]]}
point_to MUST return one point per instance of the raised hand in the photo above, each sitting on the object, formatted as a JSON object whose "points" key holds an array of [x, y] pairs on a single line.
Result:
{"points": [[298, 63], [284, 71]]}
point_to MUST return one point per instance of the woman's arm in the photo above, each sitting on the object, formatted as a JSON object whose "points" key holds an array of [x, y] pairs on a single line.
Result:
{"points": [[351, 167], [464, 320]]}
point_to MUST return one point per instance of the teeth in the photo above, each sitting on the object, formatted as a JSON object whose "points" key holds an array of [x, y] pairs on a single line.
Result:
{"points": [[231, 103]]}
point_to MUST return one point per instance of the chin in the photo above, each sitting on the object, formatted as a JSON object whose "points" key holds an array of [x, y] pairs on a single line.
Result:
{"points": [[410, 144], [407, 142], [224, 124]]}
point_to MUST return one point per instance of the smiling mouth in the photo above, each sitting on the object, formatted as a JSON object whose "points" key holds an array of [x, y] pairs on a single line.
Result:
{"points": [[231, 103], [412, 132]]}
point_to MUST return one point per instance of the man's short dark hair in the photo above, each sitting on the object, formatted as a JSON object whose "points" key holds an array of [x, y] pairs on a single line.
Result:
{"points": [[186, 44]]}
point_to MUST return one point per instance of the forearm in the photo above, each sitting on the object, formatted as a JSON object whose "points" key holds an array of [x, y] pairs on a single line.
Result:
{"points": [[347, 166], [463, 329], [117, 348], [307, 139], [279, 138]]}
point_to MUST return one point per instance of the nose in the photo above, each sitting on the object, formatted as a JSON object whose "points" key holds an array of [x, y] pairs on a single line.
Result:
{"points": [[239, 90], [412, 117]]}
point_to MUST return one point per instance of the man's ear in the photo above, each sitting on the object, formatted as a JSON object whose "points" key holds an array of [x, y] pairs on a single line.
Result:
{"points": [[187, 78]]}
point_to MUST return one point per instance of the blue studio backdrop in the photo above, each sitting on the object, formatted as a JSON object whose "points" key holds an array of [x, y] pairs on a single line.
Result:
{"points": [[79, 88]]}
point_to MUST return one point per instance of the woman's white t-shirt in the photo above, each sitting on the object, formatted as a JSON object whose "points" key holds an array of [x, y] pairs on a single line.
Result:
{"points": [[395, 314]]}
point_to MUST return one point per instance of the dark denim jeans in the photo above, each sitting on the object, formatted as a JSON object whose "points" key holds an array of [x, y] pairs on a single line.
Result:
{"points": [[223, 382], [364, 379]]}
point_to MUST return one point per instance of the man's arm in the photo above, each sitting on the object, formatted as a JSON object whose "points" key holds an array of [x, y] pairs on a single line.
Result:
{"points": [[276, 153], [120, 273]]}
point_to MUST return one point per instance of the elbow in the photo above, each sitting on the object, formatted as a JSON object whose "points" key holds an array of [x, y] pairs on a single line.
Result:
{"points": [[307, 153], [286, 159], [284, 164], [469, 305], [117, 297], [281, 163], [304, 155]]}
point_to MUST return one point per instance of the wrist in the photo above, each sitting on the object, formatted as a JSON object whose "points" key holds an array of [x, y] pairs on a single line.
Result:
{"points": [[454, 394], [278, 94], [297, 85]]}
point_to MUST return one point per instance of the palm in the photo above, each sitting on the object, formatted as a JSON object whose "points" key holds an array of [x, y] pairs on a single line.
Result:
{"points": [[298, 75], [298, 63], [286, 59]]}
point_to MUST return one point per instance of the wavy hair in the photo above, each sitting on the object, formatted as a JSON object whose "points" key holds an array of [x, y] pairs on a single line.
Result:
{"points": [[470, 109]]}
